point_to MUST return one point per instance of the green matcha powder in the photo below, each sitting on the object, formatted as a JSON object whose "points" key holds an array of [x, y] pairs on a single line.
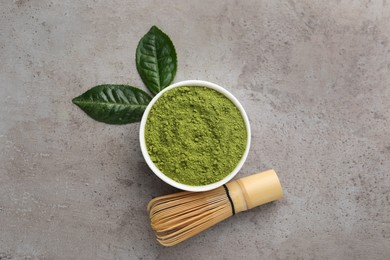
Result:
{"points": [[195, 135]]}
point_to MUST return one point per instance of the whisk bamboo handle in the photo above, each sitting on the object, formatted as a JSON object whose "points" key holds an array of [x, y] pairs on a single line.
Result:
{"points": [[254, 190]]}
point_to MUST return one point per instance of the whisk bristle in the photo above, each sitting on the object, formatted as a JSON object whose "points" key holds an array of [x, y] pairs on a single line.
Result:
{"points": [[179, 216]]}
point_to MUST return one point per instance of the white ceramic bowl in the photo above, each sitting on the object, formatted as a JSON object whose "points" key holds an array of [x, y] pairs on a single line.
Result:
{"points": [[165, 178]]}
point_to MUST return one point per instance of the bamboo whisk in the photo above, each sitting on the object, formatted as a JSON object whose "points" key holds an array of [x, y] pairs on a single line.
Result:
{"points": [[179, 216]]}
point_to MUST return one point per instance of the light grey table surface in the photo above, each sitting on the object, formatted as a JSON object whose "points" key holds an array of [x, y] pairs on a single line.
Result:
{"points": [[313, 76]]}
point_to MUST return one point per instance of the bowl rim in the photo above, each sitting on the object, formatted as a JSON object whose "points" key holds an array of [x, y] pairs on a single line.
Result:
{"points": [[161, 175]]}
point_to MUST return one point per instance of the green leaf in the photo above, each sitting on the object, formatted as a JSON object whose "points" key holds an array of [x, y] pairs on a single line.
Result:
{"points": [[156, 60], [114, 104]]}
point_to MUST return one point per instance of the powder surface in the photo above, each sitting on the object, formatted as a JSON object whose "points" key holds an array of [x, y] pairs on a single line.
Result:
{"points": [[195, 135]]}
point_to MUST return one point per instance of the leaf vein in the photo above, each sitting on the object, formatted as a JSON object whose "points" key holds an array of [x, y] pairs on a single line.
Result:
{"points": [[109, 104]]}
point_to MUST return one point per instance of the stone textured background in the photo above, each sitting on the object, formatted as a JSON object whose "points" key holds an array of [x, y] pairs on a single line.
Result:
{"points": [[314, 77]]}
